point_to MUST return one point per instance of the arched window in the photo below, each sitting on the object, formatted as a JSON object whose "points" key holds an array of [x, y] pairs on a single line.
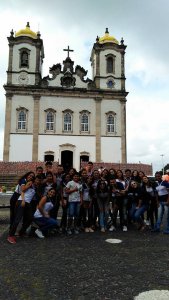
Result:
{"points": [[110, 64], [111, 122], [22, 119], [49, 121], [67, 121], [24, 58], [84, 122]]}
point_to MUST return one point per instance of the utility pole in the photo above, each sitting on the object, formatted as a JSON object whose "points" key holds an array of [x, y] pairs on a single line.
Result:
{"points": [[162, 155]]}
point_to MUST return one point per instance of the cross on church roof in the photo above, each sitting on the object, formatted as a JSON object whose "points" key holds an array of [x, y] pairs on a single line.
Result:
{"points": [[68, 50]]}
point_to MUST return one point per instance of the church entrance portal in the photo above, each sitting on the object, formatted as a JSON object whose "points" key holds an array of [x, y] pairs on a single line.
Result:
{"points": [[67, 159]]}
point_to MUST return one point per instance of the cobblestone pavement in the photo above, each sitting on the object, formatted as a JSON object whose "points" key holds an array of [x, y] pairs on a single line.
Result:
{"points": [[84, 266]]}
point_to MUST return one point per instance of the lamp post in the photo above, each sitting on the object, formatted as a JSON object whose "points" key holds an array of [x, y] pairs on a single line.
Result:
{"points": [[162, 155]]}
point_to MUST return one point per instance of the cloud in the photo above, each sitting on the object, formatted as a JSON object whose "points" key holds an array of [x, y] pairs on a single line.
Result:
{"points": [[142, 24]]}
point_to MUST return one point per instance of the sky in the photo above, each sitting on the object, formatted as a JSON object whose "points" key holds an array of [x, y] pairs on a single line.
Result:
{"points": [[143, 24]]}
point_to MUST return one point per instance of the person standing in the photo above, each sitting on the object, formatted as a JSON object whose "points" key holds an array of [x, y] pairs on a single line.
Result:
{"points": [[23, 208], [74, 191], [163, 202]]}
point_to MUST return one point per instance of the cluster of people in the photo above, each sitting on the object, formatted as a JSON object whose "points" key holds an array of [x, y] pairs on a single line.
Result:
{"points": [[92, 199]]}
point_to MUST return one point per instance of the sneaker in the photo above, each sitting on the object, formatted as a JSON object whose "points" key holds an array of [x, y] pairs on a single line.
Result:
{"points": [[86, 229], [69, 232], [112, 228], [39, 234], [76, 231], [90, 229], [102, 229], [124, 228], [11, 239], [147, 223]]}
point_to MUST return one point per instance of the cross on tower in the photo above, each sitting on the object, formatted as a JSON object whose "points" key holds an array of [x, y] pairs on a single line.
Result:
{"points": [[68, 50]]}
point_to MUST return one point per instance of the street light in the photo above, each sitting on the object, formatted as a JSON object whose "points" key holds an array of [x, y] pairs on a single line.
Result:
{"points": [[162, 155]]}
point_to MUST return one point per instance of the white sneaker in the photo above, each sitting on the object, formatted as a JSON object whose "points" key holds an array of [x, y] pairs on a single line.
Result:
{"points": [[86, 229], [147, 223], [124, 228], [102, 229], [112, 228], [39, 233]]}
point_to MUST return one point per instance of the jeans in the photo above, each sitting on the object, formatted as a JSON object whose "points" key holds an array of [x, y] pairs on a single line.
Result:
{"points": [[21, 212], [162, 209], [103, 205], [119, 204], [136, 213], [73, 213], [46, 223]]}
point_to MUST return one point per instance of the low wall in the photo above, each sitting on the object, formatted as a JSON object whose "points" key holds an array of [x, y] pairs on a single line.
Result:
{"points": [[17, 168]]}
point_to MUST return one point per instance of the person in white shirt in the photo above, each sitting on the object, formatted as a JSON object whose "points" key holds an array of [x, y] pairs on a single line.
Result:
{"points": [[74, 191]]}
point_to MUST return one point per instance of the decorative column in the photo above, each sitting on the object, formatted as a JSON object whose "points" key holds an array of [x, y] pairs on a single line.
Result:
{"points": [[10, 60], [98, 129], [123, 132], [35, 128], [97, 80], [122, 47], [7, 127]]}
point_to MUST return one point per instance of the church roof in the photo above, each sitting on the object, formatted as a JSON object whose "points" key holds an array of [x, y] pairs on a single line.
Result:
{"points": [[26, 32], [107, 38]]}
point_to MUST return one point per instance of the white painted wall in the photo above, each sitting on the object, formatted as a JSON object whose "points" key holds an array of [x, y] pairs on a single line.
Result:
{"points": [[103, 69], [111, 105], [111, 149], [16, 57], [20, 147], [22, 101], [53, 143], [60, 104]]}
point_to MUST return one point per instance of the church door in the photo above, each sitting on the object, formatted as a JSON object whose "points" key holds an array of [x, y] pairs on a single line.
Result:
{"points": [[67, 159]]}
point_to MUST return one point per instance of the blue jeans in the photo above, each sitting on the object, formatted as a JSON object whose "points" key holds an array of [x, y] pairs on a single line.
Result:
{"points": [[46, 223], [137, 213], [73, 213], [162, 209]]}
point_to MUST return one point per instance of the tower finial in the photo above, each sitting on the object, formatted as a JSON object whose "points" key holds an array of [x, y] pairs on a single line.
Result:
{"points": [[107, 31], [27, 25], [12, 33], [122, 41]]}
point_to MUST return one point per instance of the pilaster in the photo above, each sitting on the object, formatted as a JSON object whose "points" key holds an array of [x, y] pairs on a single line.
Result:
{"points": [[98, 129], [9, 72], [97, 80], [123, 132], [35, 128], [7, 127], [123, 70]]}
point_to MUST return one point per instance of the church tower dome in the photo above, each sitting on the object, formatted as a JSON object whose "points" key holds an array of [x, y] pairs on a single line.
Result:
{"points": [[107, 38], [26, 32]]}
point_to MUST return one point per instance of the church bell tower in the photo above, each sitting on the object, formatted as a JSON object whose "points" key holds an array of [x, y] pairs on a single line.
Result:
{"points": [[26, 55]]}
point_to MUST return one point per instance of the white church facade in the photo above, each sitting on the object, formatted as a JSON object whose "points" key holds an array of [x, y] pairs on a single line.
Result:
{"points": [[64, 117]]}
